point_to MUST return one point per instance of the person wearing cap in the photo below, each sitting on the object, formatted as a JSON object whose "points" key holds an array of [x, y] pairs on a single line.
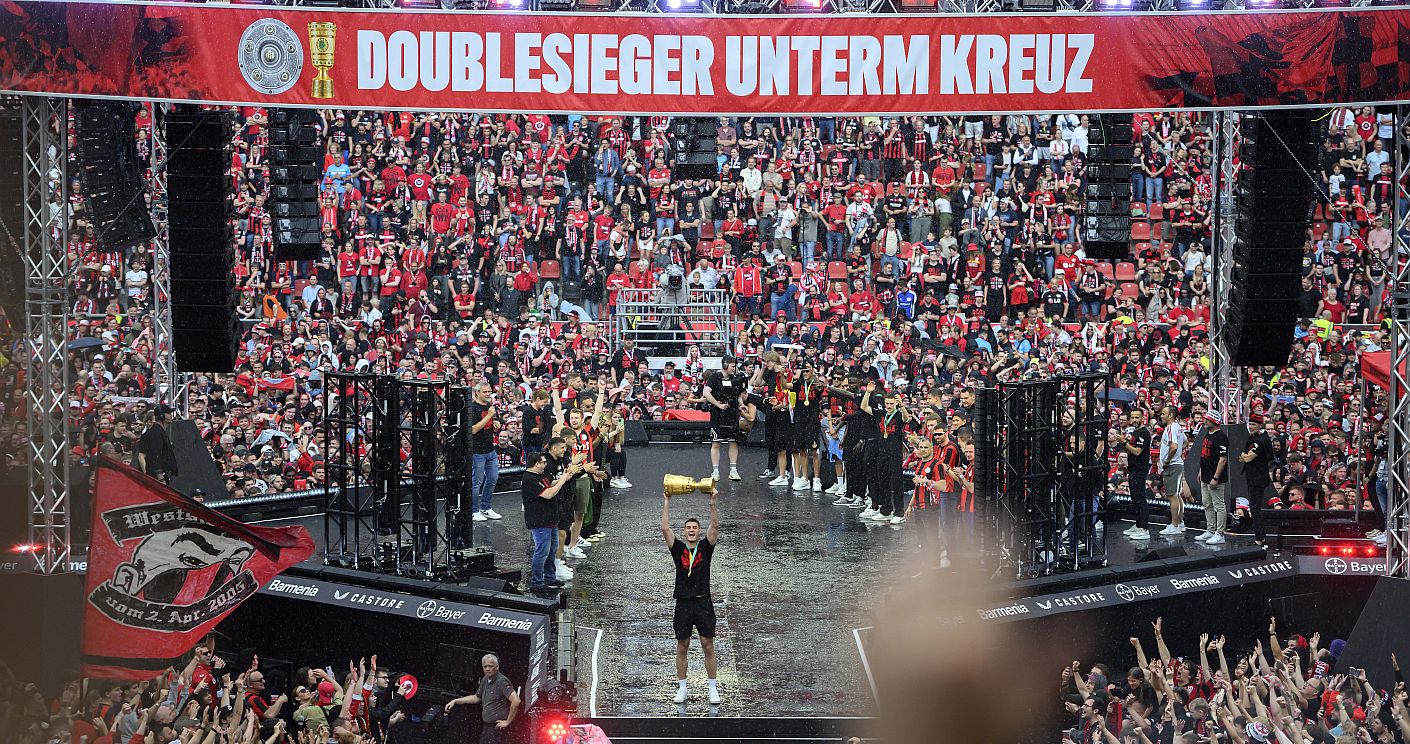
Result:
{"points": [[1256, 458], [155, 455], [1213, 474]]}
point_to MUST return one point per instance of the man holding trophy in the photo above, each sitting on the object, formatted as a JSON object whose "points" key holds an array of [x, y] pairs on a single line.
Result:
{"points": [[695, 611]]}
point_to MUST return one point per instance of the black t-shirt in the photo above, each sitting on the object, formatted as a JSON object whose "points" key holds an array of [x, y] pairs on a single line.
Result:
{"points": [[726, 389], [482, 441], [1216, 445], [1141, 439], [155, 446], [692, 568], [536, 418], [1257, 471], [538, 512]]}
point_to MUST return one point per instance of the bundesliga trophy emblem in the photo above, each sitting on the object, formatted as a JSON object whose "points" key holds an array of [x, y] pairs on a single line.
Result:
{"points": [[320, 40], [680, 485]]}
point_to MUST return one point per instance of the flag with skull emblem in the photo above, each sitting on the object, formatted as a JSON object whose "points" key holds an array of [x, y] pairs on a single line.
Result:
{"points": [[163, 569]]}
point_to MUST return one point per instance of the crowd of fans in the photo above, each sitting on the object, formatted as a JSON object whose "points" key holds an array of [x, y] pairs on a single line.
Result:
{"points": [[928, 252], [240, 699], [1290, 691]]}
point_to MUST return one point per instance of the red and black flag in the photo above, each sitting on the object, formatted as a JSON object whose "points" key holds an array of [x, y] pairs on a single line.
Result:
{"points": [[163, 570]]}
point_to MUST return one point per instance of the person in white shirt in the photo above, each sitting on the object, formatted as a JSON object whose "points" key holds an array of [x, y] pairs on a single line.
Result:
{"points": [[785, 218], [752, 178], [1171, 466]]}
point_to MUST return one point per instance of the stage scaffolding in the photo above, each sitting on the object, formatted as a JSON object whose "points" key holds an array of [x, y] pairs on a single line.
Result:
{"points": [[1398, 441], [398, 468], [44, 133]]}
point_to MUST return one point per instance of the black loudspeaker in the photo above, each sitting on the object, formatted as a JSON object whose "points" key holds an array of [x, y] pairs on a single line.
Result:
{"points": [[1164, 552], [1106, 226], [205, 332], [488, 583], [635, 434], [111, 173], [295, 171], [1274, 196]]}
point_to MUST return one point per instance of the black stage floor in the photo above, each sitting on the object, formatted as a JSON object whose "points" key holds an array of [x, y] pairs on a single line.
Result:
{"points": [[794, 578]]}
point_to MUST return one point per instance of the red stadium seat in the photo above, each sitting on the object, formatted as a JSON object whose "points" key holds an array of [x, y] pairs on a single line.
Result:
{"points": [[550, 270], [1125, 271], [837, 270], [1140, 230], [979, 171], [1130, 289], [707, 229], [796, 269], [1157, 212], [1105, 269]]}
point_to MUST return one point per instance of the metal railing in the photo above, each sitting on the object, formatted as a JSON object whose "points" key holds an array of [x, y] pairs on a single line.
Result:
{"points": [[660, 321]]}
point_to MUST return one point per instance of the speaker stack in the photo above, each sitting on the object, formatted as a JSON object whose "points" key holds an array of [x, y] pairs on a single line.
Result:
{"points": [[295, 170], [1274, 196], [205, 330], [1106, 223], [111, 173], [695, 145]]}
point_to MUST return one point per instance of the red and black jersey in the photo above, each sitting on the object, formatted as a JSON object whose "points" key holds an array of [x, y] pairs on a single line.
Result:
{"points": [[930, 470]]}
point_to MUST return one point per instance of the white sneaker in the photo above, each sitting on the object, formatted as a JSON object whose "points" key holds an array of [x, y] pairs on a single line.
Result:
{"points": [[1131, 530], [898, 519], [800, 484], [842, 501], [492, 514], [714, 474], [867, 513], [1380, 539], [1204, 535], [767, 474], [575, 553], [714, 696], [1173, 529], [1140, 535], [564, 572], [680, 695], [626, 483], [781, 480], [856, 504], [479, 517], [616, 483], [1217, 539], [877, 516], [832, 489], [583, 543], [817, 484], [734, 473]]}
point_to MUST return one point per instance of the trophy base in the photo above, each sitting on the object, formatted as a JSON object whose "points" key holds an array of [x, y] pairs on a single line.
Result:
{"points": [[322, 88]]}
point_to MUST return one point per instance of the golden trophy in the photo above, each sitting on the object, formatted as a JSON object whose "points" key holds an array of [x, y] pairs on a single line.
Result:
{"points": [[320, 38], [680, 485]]}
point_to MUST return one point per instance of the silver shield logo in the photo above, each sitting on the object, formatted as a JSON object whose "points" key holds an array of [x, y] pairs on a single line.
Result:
{"points": [[271, 57]]}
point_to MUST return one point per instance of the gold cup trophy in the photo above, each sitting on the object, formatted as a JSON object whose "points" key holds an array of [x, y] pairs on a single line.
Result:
{"points": [[320, 38], [680, 485]]}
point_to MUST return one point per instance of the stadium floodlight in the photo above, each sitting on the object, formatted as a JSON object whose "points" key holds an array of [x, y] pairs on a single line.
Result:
{"points": [[1263, 4], [1115, 4], [1036, 6], [802, 6]]}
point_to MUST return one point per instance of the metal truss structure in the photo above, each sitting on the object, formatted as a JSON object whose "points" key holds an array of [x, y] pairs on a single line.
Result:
{"points": [[1225, 393], [167, 382], [1398, 441], [44, 135], [1082, 468]]}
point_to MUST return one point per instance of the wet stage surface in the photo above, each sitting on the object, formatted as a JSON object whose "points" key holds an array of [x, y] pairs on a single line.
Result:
{"points": [[793, 577]]}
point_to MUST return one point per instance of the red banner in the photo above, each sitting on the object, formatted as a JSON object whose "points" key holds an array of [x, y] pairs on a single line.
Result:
{"points": [[690, 65], [163, 570]]}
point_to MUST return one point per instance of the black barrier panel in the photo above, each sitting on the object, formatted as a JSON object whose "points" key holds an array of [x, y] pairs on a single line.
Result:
{"points": [[308, 621]]}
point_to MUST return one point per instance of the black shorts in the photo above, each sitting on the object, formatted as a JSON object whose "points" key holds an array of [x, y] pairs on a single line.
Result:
{"points": [[805, 437], [725, 428], [694, 614]]}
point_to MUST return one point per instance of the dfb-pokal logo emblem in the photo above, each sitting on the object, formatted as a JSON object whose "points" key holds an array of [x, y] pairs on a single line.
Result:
{"points": [[271, 57], [427, 609], [1335, 566], [1125, 593], [179, 574]]}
